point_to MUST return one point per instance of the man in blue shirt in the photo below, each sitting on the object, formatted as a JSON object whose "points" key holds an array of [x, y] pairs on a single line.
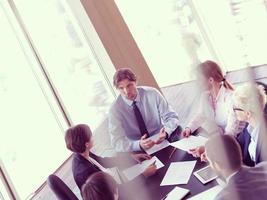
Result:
{"points": [[138, 113]]}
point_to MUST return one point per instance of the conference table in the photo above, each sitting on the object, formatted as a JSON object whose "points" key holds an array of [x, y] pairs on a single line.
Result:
{"points": [[152, 187]]}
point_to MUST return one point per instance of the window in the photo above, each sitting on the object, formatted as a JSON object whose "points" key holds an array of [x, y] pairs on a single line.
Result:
{"points": [[167, 36], [32, 122], [3, 193], [31, 131], [237, 29], [174, 35], [68, 59]]}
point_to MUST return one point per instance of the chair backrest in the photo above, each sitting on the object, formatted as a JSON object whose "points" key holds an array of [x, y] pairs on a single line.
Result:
{"points": [[61, 190]]}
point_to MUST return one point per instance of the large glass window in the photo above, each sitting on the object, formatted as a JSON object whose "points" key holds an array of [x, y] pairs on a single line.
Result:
{"points": [[32, 124], [31, 132], [174, 35], [69, 61], [237, 29], [167, 36]]}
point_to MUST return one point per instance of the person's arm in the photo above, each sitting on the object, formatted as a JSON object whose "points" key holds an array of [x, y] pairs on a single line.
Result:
{"points": [[167, 114], [118, 136], [116, 161], [198, 119]]}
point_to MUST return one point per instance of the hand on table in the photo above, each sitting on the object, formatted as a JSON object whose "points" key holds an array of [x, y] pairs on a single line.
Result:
{"points": [[162, 136], [146, 143], [198, 152]]}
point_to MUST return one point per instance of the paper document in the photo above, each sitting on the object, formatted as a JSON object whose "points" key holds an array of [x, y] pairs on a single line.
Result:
{"points": [[189, 143], [209, 194], [157, 147], [176, 194], [178, 173], [138, 169]]}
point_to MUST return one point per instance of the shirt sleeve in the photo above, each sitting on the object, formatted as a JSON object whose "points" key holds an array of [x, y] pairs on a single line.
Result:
{"points": [[119, 140], [199, 117], [168, 115]]}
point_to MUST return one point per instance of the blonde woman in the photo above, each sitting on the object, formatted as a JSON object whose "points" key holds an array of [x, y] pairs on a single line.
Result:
{"points": [[249, 102]]}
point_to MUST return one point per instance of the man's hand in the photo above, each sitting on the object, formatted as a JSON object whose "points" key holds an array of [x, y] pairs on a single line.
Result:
{"points": [[162, 136], [198, 152], [139, 157], [186, 132], [146, 143], [150, 170]]}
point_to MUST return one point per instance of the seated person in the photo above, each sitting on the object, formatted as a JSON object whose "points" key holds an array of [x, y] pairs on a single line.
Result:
{"points": [[137, 113], [249, 104], [79, 140], [215, 103], [242, 183], [249, 101], [100, 186]]}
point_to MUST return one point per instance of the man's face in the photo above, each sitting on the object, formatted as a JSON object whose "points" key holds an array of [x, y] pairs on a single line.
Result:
{"points": [[241, 114], [128, 89]]}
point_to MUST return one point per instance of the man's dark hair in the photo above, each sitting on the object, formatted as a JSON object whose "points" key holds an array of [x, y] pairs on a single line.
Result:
{"points": [[100, 186], [77, 136], [225, 151], [122, 74]]}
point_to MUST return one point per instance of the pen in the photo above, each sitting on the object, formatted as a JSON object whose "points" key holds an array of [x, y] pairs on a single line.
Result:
{"points": [[174, 149]]}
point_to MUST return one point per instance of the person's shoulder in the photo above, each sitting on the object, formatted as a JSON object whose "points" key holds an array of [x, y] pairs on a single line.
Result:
{"points": [[262, 165], [147, 90], [223, 194], [117, 103]]}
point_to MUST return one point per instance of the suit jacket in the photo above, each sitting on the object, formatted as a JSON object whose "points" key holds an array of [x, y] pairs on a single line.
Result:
{"points": [[261, 152], [82, 168], [249, 183]]}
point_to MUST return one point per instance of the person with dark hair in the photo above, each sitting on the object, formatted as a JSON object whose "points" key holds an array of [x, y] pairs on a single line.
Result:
{"points": [[85, 163], [100, 186], [138, 113], [242, 183]]}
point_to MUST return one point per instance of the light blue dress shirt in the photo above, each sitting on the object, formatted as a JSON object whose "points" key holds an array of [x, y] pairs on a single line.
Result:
{"points": [[155, 110]]}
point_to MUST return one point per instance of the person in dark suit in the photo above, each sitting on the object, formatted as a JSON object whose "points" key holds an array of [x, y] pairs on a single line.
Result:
{"points": [[249, 102], [242, 182], [85, 163], [100, 186]]}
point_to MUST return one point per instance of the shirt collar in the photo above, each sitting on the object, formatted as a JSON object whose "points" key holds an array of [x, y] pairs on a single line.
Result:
{"points": [[130, 102], [254, 132], [230, 176]]}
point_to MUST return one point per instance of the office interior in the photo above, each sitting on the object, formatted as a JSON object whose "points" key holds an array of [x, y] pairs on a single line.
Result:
{"points": [[57, 63]]}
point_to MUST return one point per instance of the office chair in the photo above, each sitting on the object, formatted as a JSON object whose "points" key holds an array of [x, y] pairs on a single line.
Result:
{"points": [[60, 189]]}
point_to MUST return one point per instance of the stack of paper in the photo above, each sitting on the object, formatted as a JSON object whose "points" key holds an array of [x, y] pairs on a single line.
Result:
{"points": [[138, 169], [176, 194], [209, 194], [157, 147], [178, 173], [189, 143]]}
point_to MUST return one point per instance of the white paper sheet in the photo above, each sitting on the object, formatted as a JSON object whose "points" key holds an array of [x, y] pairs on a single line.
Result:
{"points": [[178, 173], [190, 142], [176, 194], [209, 194], [157, 147], [138, 169]]}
